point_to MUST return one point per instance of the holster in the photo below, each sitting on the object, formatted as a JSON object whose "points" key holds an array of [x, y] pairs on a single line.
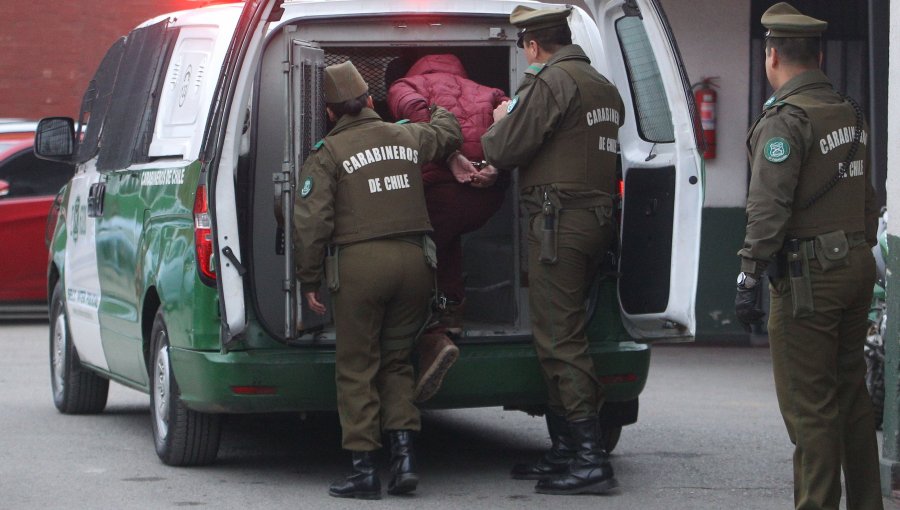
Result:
{"points": [[549, 230], [430, 251], [801, 285], [332, 277]]}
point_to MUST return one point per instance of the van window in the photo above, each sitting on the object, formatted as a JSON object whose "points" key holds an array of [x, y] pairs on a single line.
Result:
{"points": [[654, 119], [95, 103], [130, 114]]}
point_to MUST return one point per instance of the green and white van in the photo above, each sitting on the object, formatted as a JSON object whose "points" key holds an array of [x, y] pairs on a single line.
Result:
{"points": [[170, 263]]}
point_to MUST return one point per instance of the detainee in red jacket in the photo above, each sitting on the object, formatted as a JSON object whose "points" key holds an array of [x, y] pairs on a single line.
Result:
{"points": [[460, 197]]}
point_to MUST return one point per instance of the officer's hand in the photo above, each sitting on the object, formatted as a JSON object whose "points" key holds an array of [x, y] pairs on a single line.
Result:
{"points": [[461, 168], [748, 305], [312, 299], [485, 178], [500, 110]]}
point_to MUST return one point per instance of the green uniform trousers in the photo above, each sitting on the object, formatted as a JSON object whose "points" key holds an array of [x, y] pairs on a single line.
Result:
{"points": [[820, 381], [385, 287], [556, 299]]}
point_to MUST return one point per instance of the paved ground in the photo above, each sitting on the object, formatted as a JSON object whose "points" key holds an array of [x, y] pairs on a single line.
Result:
{"points": [[709, 437]]}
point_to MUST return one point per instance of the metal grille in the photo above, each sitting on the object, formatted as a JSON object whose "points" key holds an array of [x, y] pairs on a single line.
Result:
{"points": [[371, 63], [311, 122]]}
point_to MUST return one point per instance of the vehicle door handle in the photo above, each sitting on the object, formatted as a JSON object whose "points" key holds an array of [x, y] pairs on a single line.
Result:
{"points": [[95, 199]]}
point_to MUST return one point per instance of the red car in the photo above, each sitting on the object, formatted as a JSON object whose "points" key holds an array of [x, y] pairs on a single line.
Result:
{"points": [[28, 187]]}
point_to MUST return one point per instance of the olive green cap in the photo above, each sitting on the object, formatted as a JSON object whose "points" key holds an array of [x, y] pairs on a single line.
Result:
{"points": [[535, 19], [783, 20], [343, 83], [529, 19]]}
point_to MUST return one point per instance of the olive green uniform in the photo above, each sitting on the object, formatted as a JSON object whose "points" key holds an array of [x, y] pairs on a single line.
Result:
{"points": [[561, 131], [796, 147], [361, 195]]}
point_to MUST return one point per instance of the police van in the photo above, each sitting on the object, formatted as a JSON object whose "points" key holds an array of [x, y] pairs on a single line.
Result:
{"points": [[171, 268]]}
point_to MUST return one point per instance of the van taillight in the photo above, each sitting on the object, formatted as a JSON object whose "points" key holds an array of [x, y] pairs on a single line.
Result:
{"points": [[203, 234]]}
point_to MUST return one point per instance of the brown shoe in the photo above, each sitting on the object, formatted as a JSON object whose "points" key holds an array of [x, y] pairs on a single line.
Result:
{"points": [[437, 353]]}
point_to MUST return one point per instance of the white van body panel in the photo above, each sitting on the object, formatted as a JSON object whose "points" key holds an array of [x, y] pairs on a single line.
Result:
{"points": [[82, 277], [190, 81]]}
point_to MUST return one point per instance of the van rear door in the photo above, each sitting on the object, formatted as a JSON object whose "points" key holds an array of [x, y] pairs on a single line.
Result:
{"points": [[219, 153], [661, 166]]}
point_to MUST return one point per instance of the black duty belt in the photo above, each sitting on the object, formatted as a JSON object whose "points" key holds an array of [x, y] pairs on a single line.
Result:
{"points": [[808, 244]]}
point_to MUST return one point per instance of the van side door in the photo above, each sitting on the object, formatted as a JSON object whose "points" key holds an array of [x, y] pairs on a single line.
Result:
{"points": [[661, 167], [125, 198], [81, 266]]}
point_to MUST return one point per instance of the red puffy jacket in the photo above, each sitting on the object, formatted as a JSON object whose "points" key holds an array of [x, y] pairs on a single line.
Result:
{"points": [[442, 80]]}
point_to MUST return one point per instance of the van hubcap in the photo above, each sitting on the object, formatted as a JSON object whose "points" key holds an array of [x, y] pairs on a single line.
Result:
{"points": [[161, 392], [59, 355]]}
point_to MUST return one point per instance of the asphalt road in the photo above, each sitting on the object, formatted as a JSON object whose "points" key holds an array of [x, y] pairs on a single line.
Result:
{"points": [[709, 437]]}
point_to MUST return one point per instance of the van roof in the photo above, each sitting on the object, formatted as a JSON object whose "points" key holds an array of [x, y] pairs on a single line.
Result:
{"points": [[317, 8], [298, 9]]}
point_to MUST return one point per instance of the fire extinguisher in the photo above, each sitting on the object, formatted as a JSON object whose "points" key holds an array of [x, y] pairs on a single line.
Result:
{"points": [[705, 97]]}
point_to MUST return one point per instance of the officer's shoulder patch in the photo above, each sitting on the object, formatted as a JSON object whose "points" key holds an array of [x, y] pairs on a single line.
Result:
{"points": [[769, 102], [318, 145], [777, 149], [403, 121], [307, 187], [512, 104]]}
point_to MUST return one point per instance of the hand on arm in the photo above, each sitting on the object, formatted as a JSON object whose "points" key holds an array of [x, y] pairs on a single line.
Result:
{"points": [[500, 111]]}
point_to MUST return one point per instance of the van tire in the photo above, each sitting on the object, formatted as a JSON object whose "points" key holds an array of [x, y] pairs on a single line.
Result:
{"points": [[609, 437], [183, 437], [76, 389]]}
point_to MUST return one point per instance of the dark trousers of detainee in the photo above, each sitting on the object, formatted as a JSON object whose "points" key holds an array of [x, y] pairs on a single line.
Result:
{"points": [[385, 289], [456, 209], [557, 296], [820, 381]]}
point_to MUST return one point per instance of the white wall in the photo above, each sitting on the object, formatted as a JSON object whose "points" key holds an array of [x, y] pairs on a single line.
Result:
{"points": [[893, 148], [714, 39]]}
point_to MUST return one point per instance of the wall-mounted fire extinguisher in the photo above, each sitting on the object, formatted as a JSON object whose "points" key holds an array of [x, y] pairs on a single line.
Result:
{"points": [[705, 97]]}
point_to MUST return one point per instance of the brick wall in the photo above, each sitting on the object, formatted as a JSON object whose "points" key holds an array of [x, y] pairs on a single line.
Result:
{"points": [[49, 49]]}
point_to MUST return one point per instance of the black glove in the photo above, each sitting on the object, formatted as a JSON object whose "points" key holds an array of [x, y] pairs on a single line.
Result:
{"points": [[747, 305]]}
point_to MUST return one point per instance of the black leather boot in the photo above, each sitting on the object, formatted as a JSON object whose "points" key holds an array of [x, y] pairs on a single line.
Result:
{"points": [[556, 460], [363, 483], [590, 471], [403, 463]]}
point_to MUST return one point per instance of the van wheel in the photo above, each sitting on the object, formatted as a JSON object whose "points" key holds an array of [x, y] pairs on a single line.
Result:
{"points": [[609, 437], [183, 437], [76, 390]]}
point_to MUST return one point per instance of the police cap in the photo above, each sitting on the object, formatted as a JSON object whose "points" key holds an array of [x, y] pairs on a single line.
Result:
{"points": [[343, 83], [783, 20], [529, 19]]}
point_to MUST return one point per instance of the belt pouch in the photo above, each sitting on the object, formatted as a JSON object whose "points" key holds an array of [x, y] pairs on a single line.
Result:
{"points": [[331, 268], [832, 250], [801, 286]]}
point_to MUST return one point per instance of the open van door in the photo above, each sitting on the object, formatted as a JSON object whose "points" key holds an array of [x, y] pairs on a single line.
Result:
{"points": [[219, 155], [661, 166]]}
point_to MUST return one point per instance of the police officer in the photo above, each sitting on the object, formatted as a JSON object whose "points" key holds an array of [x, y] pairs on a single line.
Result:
{"points": [[361, 200], [811, 219], [561, 130]]}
